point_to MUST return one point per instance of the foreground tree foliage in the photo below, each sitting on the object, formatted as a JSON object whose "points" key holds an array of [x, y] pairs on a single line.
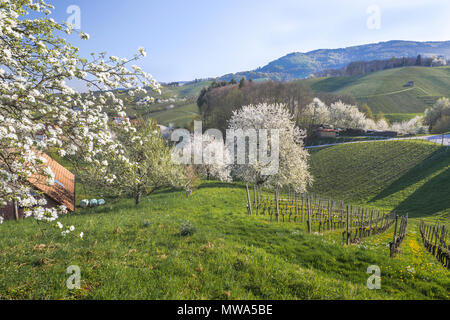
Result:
{"points": [[345, 116], [149, 169], [39, 111], [438, 116], [340, 115]]}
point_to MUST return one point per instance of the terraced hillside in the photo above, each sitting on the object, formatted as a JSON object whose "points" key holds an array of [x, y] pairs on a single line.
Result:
{"points": [[385, 91], [408, 176]]}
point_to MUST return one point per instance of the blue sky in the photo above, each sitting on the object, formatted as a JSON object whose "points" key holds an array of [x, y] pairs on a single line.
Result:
{"points": [[188, 39]]}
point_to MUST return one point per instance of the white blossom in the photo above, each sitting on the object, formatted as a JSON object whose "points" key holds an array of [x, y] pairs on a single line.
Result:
{"points": [[293, 158], [40, 111]]}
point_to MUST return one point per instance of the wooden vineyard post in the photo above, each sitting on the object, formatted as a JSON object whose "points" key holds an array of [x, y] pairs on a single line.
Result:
{"points": [[249, 201], [351, 217], [255, 204], [370, 223], [361, 222], [302, 209], [258, 198], [309, 216], [431, 238], [376, 224], [329, 215], [277, 199], [364, 224], [436, 239], [394, 240], [347, 229]]}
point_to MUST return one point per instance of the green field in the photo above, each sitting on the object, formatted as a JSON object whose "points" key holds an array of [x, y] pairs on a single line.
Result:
{"points": [[183, 112], [181, 116], [191, 90], [138, 252], [401, 117], [384, 90]]}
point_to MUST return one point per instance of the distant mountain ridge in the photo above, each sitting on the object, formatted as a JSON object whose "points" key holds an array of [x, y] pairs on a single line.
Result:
{"points": [[298, 65]]}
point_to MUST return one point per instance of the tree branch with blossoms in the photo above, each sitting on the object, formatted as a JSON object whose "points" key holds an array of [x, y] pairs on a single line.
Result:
{"points": [[40, 111]]}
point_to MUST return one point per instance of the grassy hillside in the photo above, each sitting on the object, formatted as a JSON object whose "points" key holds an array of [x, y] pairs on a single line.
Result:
{"points": [[408, 176], [400, 117], [138, 253], [177, 105], [384, 90], [181, 116], [191, 90]]}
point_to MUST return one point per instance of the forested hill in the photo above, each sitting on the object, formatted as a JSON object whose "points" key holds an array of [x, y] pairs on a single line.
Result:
{"points": [[299, 65]]}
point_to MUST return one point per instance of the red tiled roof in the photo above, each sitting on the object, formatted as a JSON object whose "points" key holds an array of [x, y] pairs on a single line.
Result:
{"points": [[63, 191], [327, 130]]}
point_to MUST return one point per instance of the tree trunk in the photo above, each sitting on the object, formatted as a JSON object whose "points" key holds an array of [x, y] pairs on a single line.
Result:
{"points": [[16, 210], [138, 198], [249, 202]]}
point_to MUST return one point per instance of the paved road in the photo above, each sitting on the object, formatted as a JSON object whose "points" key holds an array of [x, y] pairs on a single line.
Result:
{"points": [[438, 139]]}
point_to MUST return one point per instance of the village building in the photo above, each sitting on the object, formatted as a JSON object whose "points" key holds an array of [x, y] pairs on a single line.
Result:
{"points": [[62, 193], [326, 133]]}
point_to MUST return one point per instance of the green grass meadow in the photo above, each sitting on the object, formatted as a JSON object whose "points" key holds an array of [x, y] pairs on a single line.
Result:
{"points": [[138, 253]]}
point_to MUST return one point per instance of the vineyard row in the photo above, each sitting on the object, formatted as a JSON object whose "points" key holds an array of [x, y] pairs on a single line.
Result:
{"points": [[321, 214]]}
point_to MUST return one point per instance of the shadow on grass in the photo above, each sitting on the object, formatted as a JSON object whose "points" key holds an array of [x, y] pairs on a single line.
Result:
{"points": [[216, 184], [429, 199], [436, 161], [118, 204]]}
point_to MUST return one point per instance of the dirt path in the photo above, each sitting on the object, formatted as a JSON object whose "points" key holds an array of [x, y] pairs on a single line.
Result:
{"points": [[394, 92]]}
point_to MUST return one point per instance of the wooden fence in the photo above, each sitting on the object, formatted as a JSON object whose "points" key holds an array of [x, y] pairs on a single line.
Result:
{"points": [[320, 214], [435, 240]]}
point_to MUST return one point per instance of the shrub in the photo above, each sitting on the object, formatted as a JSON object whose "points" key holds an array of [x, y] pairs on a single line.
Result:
{"points": [[187, 229], [442, 125], [147, 224]]}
